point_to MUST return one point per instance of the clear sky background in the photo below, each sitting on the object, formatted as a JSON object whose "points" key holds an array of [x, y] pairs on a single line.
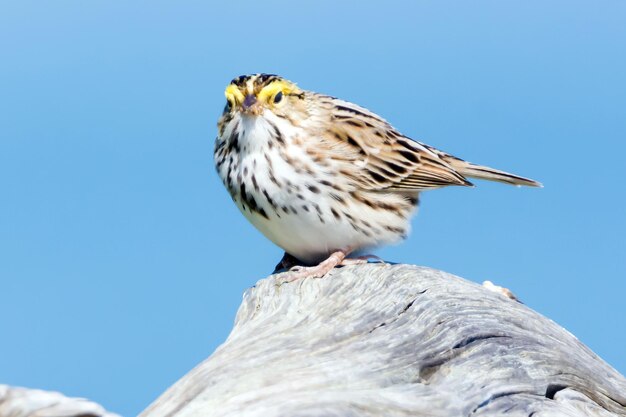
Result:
{"points": [[122, 258]]}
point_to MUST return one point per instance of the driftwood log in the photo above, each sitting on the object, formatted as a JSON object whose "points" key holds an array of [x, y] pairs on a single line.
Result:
{"points": [[23, 402], [385, 341]]}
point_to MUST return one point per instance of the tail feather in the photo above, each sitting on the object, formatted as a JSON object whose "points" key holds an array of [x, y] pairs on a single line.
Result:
{"points": [[468, 169]]}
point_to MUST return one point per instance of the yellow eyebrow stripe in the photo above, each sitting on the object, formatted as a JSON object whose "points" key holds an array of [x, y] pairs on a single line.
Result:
{"points": [[273, 88], [234, 94]]}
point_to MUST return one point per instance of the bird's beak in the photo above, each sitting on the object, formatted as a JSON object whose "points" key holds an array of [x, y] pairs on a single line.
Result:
{"points": [[250, 105]]}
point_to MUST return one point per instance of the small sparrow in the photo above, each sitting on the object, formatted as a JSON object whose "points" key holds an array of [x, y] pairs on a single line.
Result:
{"points": [[322, 177]]}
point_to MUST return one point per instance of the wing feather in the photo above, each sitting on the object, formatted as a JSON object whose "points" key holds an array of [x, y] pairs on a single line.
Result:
{"points": [[378, 157]]}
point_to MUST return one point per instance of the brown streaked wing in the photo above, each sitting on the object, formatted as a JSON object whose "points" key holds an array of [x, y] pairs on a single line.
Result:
{"points": [[377, 157]]}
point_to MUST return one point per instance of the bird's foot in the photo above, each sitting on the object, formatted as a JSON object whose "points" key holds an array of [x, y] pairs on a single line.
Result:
{"points": [[317, 271], [363, 259]]}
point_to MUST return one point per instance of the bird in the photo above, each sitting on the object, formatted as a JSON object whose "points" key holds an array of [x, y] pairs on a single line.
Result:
{"points": [[324, 178]]}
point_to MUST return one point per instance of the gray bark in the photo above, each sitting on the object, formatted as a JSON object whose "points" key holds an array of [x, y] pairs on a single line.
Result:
{"points": [[23, 402], [377, 340], [382, 340]]}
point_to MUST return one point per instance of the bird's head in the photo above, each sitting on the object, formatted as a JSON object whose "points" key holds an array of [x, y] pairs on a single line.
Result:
{"points": [[253, 94]]}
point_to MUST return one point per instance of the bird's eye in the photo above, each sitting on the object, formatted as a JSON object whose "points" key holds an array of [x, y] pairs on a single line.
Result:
{"points": [[278, 97]]}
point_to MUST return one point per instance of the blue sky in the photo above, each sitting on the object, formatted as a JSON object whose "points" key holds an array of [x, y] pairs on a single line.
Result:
{"points": [[122, 258]]}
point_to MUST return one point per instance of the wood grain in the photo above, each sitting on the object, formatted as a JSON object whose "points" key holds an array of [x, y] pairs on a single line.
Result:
{"points": [[383, 340]]}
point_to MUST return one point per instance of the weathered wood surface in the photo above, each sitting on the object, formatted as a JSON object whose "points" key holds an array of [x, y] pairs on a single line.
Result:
{"points": [[23, 402], [381, 340], [377, 340]]}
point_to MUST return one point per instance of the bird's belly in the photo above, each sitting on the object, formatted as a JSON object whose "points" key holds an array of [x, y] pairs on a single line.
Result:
{"points": [[309, 230], [312, 214], [306, 238]]}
